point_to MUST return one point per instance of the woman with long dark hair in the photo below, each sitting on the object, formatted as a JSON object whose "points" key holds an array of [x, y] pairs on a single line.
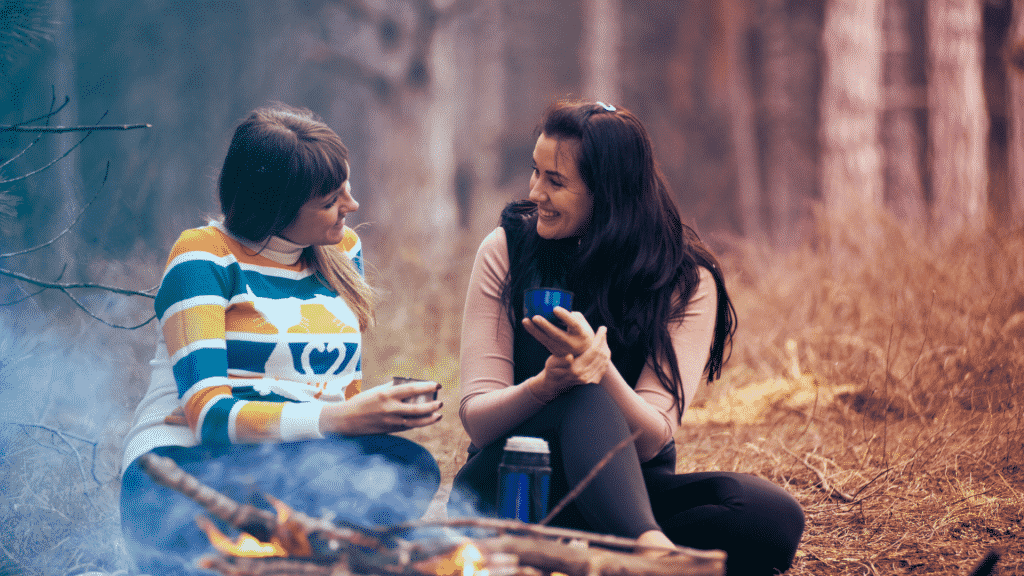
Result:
{"points": [[600, 222], [257, 381]]}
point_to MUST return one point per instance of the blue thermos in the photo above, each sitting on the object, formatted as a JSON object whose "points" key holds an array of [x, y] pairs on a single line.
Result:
{"points": [[524, 479]]}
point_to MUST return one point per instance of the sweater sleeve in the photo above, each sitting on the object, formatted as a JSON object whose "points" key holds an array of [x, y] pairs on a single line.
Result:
{"points": [[491, 405], [691, 340], [198, 286]]}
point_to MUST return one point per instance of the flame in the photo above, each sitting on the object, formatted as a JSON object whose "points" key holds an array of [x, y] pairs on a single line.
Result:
{"points": [[467, 558], [245, 545], [471, 560], [284, 512]]}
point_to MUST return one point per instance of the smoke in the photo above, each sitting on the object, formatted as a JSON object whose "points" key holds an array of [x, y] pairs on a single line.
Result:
{"points": [[60, 429]]}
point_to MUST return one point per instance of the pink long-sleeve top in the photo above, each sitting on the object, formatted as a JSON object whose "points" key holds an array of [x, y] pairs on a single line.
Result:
{"points": [[492, 405]]}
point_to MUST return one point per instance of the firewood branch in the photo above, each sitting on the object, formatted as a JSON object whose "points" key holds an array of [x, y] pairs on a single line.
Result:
{"points": [[293, 533], [552, 556], [378, 551]]}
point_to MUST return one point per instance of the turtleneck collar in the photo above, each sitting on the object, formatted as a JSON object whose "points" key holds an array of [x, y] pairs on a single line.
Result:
{"points": [[278, 249]]}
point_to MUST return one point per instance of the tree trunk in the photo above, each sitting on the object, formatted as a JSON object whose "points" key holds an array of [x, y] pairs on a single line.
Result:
{"points": [[851, 106], [478, 131], [735, 22], [902, 131], [602, 31], [957, 120], [1015, 112], [791, 72]]}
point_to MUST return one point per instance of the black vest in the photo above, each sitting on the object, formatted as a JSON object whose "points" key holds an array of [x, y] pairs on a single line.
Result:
{"points": [[528, 355]]}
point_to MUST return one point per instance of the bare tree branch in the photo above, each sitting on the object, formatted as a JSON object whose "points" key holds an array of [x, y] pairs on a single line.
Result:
{"points": [[54, 161], [47, 116], [53, 112], [78, 216], [25, 297], [111, 324], [64, 287], [20, 128], [64, 437]]}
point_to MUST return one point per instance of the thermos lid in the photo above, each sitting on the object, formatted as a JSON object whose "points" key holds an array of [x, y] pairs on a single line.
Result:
{"points": [[527, 444]]}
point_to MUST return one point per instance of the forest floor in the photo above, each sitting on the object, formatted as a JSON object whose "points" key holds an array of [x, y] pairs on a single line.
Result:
{"points": [[907, 497], [876, 376], [878, 380]]}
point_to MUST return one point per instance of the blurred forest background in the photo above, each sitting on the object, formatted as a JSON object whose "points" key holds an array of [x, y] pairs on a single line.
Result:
{"points": [[858, 164]]}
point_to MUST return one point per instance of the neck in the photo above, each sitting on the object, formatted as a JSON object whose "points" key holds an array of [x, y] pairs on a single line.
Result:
{"points": [[276, 248]]}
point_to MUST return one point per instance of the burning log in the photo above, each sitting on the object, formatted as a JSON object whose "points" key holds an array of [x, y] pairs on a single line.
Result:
{"points": [[551, 556], [318, 547], [241, 566], [294, 531]]}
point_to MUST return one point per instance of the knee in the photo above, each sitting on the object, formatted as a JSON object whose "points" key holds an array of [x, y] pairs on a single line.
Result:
{"points": [[780, 525], [415, 460], [591, 402]]}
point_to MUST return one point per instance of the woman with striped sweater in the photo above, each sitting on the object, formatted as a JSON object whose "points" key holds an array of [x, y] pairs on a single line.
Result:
{"points": [[257, 381]]}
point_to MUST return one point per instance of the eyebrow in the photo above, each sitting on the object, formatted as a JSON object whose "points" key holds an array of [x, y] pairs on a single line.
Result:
{"points": [[555, 173], [551, 172]]}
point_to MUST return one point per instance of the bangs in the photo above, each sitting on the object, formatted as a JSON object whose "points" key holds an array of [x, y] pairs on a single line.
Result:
{"points": [[321, 167]]}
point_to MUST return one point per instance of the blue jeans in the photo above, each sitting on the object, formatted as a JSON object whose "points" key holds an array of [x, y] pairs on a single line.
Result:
{"points": [[365, 480]]}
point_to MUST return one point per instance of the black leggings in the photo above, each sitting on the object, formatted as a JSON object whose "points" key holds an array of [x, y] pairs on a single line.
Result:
{"points": [[757, 523]]}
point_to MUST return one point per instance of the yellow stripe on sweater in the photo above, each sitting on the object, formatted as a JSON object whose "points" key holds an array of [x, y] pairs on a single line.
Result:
{"points": [[260, 421], [203, 322]]}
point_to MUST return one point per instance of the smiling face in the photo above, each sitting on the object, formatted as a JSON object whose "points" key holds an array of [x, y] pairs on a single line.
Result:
{"points": [[564, 204], [321, 220]]}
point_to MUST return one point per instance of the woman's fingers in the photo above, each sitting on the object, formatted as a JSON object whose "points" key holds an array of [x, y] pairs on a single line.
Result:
{"points": [[591, 366], [575, 339], [417, 422], [386, 408], [536, 327], [416, 392], [575, 322]]}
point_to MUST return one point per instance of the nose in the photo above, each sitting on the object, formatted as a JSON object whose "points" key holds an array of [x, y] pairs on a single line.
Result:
{"points": [[349, 205], [536, 194]]}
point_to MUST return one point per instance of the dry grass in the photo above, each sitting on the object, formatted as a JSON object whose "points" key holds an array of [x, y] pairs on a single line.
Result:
{"points": [[875, 375]]}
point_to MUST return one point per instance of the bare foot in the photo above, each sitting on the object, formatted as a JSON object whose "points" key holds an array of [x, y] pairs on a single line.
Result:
{"points": [[656, 544]]}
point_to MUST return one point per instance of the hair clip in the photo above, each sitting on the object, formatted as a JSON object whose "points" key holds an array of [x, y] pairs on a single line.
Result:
{"points": [[607, 107]]}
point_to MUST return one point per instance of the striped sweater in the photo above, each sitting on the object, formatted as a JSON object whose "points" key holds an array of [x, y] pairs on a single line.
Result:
{"points": [[257, 343]]}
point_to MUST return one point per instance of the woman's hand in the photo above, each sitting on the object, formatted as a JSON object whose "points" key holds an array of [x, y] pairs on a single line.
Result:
{"points": [[576, 339], [563, 372], [381, 410], [590, 367]]}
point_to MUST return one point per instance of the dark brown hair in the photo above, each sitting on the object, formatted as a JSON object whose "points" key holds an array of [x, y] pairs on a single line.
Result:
{"points": [[636, 265], [279, 158]]}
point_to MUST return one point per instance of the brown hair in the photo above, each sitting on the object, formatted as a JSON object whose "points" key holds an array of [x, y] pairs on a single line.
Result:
{"points": [[279, 158], [636, 265]]}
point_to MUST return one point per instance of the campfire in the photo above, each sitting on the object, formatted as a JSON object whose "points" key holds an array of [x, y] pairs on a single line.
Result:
{"points": [[287, 542]]}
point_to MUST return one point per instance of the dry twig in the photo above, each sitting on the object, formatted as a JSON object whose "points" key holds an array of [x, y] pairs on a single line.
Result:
{"points": [[589, 477], [826, 486]]}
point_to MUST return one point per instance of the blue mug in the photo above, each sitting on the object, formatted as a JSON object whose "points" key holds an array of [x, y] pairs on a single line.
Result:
{"points": [[542, 302]]}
